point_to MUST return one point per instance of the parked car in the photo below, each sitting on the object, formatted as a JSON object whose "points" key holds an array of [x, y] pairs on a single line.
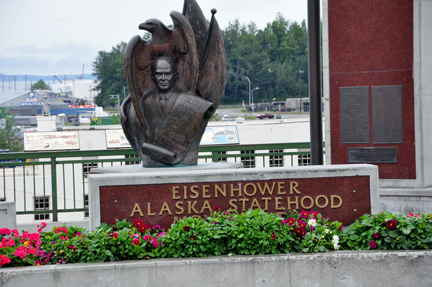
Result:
{"points": [[227, 118], [265, 116]]}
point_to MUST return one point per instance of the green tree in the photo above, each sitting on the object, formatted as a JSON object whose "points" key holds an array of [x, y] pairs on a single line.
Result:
{"points": [[40, 85], [9, 135], [108, 68]]}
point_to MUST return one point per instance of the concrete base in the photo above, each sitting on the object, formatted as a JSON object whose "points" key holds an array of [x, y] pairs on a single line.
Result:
{"points": [[344, 268], [406, 200], [140, 169], [7, 215]]}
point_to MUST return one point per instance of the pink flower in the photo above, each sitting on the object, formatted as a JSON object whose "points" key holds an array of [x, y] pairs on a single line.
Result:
{"points": [[4, 260], [115, 235], [32, 251], [5, 231], [273, 236], [60, 230], [376, 235], [372, 244], [21, 252], [135, 241], [154, 242], [77, 234], [148, 238]]}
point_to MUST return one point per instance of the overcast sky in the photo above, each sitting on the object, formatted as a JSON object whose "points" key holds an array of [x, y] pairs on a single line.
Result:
{"points": [[55, 37]]}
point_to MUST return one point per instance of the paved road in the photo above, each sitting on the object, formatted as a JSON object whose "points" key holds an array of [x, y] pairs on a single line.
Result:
{"points": [[237, 112]]}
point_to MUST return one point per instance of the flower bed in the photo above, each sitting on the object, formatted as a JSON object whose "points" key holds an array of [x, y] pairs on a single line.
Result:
{"points": [[222, 233]]}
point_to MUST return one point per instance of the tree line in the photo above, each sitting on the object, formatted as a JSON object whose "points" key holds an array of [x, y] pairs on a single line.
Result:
{"points": [[274, 59]]}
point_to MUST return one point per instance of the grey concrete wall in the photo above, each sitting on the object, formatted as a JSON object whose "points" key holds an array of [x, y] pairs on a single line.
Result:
{"points": [[8, 215], [357, 268]]}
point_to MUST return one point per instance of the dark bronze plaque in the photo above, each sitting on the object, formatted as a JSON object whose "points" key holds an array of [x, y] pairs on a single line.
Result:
{"points": [[387, 115], [354, 114], [372, 155]]}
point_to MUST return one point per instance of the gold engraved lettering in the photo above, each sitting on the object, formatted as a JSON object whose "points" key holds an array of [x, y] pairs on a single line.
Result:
{"points": [[205, 191], [296, 202], [207, 206], [278, 203], [254, 189], [149, 209], [281, 187], [175, 192], [266, 200], [302, 202], [332, 205], [238, 189], [266, 188], [221, 191], [136, 208], [179, 205], [192, 207], [321, 205], [255, 204], [194, 191], [233, 204], [165, 207], [184, 192], [293, 187], [243, 201]]}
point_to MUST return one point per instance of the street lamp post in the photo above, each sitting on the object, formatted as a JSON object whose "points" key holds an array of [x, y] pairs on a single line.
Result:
{"points": [[253, 105], [249, 91], [301, 80]]}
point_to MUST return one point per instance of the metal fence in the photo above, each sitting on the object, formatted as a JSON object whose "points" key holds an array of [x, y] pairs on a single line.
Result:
{"points": [[49, 185]]}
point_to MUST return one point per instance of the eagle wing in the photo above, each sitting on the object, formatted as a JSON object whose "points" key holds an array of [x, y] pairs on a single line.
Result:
{"points": [[211, 52]]}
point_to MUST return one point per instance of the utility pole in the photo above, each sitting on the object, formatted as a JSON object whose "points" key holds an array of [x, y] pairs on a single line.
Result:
{"points": [[315, 113]]}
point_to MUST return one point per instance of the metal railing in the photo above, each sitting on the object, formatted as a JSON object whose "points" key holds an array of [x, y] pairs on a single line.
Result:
{"points": [[60, 178]]}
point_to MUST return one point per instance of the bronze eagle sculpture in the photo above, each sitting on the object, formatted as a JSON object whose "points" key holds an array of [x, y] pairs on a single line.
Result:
{"points": [[176, 80]]}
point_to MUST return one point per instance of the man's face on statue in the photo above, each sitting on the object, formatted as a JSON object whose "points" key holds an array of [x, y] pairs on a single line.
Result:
{"points": [[164, 75]]}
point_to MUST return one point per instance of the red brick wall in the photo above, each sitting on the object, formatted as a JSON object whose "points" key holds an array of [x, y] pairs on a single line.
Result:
{"points": [[371, 44]]}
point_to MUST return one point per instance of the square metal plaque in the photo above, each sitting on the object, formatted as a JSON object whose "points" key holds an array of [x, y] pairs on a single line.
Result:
{"points": [[387, 123], [354, 115], [372, 155]]}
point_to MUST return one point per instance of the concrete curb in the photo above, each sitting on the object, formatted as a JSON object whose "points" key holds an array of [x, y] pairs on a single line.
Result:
{"points": [[343, 268]]}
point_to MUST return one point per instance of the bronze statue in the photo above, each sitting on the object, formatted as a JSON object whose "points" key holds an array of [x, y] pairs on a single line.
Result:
{"points": [[176, 81]]}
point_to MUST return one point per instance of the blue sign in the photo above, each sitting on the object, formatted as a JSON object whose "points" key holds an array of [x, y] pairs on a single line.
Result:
{"points": [[31, 104]]}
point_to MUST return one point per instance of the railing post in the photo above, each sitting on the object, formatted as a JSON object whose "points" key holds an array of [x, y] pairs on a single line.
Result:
{"points": [[215, 156], [54, 188]]}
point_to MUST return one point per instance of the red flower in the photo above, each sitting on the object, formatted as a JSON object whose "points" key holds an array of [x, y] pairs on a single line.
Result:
{"points": [[391, 224], [376, 234], [186, 228], [217, 207], [301, 223], [300, 232], [373, 244], [273, 236], [115, 235], [138, 222], [135, 241], [290, 221], [304, 214]]}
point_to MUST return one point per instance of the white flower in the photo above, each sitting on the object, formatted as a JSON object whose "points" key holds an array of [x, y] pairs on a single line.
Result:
{"points": [[335, 239], [326, 230], [335, 242], [312, 222]]}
